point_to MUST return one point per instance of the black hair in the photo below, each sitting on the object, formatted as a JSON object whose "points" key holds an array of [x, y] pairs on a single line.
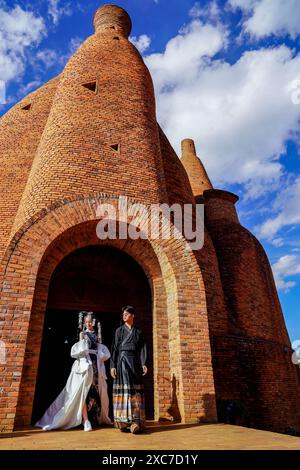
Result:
{"points": [[129, 309]]}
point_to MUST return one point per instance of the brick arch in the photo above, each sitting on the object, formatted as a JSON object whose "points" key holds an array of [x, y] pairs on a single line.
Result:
{"points": [[182, 357]]}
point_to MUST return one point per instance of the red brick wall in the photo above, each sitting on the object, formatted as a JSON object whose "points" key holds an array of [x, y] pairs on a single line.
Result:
{"points": [[177, 182], [252, 363], [75, 164], [183, 377], [195, 169], [75, 155], [20, 133]]}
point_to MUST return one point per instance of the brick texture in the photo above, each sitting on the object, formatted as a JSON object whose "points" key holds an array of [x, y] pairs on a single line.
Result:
{"points": [[197, 174], [20, 133], [252, 362]]}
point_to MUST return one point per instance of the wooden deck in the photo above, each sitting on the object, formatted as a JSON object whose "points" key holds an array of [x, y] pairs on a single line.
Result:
{"points": [[155, 437]]}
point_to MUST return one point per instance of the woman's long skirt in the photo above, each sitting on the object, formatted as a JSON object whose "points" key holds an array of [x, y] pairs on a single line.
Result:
{"points": [[93, 400], [128, 391]]}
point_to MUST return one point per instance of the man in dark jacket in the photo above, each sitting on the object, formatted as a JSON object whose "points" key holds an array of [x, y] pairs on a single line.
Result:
{"points": [[128, 365]]}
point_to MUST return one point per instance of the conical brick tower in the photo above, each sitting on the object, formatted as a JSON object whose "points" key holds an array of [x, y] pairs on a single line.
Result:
{"points": [[194, 167], [106, 95]]}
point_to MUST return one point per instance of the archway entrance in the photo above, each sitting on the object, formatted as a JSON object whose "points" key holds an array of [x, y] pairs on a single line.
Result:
{"points": [[99, 279]]}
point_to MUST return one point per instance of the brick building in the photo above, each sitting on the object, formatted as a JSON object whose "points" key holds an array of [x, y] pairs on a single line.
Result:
{"points": [[217, 339]]}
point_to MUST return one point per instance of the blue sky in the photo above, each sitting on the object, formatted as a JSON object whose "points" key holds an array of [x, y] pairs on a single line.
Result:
{"points": [[226, 73]]}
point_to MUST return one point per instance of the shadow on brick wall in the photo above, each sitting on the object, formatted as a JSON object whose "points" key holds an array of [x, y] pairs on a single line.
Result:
{"points": [[174, 411]]}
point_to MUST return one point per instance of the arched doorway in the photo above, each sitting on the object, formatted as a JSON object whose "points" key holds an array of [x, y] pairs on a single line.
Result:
{"points": [[99, 279], [179, 311]]}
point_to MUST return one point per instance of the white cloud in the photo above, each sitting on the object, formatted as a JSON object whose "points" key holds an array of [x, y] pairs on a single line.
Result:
{"points": [[19, 30], [55, 58], [287, 210], [2, 92], [267, 17], [278, 242], [285, 267], [210, 11], [196, 11], [185, 55], [56, 11], [48, 57], [74, 44], [142, 43], [239, 114], [25, 89], [247, 5]]}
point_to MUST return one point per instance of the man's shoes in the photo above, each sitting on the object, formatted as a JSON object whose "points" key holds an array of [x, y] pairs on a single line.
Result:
{"points": [[124, 427], [135, 428], [87, 426]]}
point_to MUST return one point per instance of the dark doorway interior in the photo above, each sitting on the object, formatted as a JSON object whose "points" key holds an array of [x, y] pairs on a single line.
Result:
{"points": [[98, 279]]}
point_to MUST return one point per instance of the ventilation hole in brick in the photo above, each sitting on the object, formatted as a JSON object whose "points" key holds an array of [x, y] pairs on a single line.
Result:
{"points": [[92, 86], [115, 147], [117, 38], [112, 27], [27, 107]]}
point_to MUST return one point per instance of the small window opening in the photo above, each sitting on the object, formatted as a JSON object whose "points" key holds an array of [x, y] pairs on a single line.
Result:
{"points": [[92, 86], [27, 107], [117, 38], [116, 147]]}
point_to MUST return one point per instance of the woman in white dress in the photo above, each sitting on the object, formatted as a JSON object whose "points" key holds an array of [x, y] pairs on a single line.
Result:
{"points": [[84, 398]]}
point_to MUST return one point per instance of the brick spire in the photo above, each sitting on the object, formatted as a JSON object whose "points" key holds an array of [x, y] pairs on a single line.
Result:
{"points": [[112, 19], [101, 135], [194, 167]]}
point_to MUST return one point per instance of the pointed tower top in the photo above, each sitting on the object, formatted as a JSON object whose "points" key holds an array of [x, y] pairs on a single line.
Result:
{"points": [[113, 18], [196, 172]]}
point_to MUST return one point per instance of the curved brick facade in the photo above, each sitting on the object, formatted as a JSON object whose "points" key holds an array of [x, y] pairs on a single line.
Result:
{"points": [[20, 132], [91, 137], [252, 363], [101, 133]]}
